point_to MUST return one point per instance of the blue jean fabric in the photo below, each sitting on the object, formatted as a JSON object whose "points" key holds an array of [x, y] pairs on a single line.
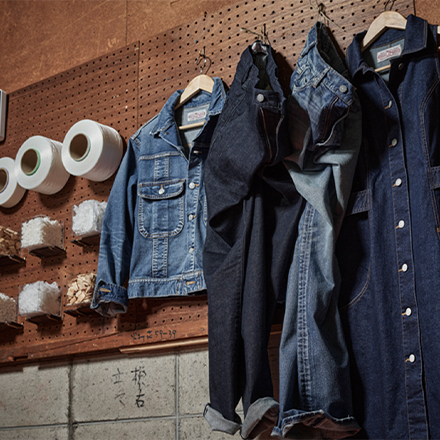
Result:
{"points": [[388, 247], [154, 226], [325, 130], [253, 211]]}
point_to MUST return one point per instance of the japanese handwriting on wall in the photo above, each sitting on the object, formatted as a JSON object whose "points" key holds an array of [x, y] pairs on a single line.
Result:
{"points": [[130, 386], [159, 335]]}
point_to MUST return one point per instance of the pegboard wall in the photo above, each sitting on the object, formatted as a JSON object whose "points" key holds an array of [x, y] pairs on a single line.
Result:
{"points": [[124, 89]]}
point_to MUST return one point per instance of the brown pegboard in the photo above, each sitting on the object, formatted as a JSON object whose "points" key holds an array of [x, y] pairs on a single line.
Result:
{"points": [[124, 89]]}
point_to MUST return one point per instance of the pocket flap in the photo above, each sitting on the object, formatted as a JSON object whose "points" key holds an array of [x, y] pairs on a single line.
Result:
{"points": [[161, 190], [434, 177], [358, 202]]}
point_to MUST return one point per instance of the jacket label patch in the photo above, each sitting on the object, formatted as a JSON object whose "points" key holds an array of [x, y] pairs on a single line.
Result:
{"points": [[196, 115], [391, 52]]}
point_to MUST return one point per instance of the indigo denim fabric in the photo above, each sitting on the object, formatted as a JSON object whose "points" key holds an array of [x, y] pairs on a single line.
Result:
{"points": [[388, 247], [253, 211], [154, 226], [325, 130]]}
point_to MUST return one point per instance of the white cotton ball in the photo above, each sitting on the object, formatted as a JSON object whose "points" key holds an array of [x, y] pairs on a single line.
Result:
{"points": [[41, 232], [8, 309], [87, 217], [39, 298]]}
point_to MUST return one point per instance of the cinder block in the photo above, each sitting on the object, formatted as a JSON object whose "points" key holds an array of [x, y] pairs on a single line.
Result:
{"points": [[123, 388], [54, 433], [192, 428], [193, 382], [34, 396], [156, 429]]}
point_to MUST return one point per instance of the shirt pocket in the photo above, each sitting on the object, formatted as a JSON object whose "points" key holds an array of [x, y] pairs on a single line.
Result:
{"points": [[161, 208]]}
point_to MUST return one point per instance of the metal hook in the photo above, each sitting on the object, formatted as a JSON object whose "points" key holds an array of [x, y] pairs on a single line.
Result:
{"points": [[320, 8], [262, 35], [205, 59], [386, 3]]}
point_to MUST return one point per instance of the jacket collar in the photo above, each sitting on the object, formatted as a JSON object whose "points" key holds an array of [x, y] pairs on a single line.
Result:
{"points": [[416, 39]]}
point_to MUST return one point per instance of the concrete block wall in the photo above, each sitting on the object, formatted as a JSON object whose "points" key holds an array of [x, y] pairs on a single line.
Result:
{"points": [[154, 397]]}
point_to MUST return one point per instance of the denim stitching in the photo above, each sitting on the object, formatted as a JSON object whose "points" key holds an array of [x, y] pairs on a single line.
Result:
{"points": [[303, 337]]}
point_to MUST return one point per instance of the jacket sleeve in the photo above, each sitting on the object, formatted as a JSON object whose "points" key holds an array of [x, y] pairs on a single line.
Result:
{"points": [[110, 296]]}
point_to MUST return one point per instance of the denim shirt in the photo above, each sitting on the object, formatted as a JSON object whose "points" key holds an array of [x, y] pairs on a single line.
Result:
{"points": [[154, 226], [389, 244], [325, 131]]}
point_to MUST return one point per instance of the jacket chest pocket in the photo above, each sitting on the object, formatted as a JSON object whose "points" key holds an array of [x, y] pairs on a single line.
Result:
{"points": [[161, 208]]}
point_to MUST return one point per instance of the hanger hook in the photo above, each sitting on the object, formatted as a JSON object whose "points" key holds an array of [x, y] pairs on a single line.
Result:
{"points": [[320, 8], [262, 35], [386, 3], [205, 59]]}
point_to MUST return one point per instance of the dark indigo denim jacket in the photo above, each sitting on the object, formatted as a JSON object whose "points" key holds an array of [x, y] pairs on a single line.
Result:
{"points": [[325, 127], [154, 226], [388, 247], [253, 211]]}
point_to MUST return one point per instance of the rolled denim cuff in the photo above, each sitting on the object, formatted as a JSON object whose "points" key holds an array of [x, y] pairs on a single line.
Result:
{"points": [[109, 299], [315, 424], [261, 415], [218, 422]]}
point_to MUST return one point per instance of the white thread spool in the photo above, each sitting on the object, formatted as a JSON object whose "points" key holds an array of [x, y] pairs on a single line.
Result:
{"points": [[39, 166], [92, 150], [10, 191]]}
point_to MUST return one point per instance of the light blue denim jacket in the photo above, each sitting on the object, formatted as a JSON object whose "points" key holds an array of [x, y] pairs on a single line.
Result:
{"points": [[154, 226], [325, 129]]}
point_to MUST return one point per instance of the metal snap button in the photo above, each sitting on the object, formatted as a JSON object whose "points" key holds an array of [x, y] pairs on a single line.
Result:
{"points": [[260, 97], [343, 89], [192, 185], [161, 190]]}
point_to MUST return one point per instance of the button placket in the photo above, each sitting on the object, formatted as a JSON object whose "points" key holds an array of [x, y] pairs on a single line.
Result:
{"points": [[403, 240], [194, 173]]}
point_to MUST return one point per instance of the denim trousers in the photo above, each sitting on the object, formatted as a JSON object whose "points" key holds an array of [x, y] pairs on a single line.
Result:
{"points": [[253, 213], [325, 130]]}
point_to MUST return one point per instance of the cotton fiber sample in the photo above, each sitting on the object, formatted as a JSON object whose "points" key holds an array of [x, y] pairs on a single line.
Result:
{"points": [[39, 298], [9, 241], [41, 232], [8, 308], [87, 217]]}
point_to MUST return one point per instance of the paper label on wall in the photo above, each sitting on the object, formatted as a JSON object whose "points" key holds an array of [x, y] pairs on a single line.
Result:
{"points": [[391, 52]]}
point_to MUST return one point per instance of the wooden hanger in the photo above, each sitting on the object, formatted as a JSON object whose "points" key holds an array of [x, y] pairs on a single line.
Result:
{"points": [[386, 20], [196, 85]]}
